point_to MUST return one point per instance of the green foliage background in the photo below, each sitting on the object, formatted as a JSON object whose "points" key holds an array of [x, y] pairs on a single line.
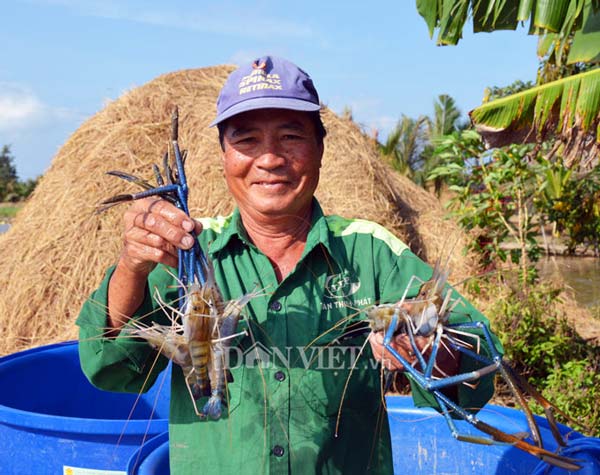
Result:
{"points": [[11, 188], [542, 346]]}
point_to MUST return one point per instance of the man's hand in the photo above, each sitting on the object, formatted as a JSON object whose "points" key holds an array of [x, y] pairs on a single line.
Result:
{"points": [[154, 229], [447, 361], [401, 344]]}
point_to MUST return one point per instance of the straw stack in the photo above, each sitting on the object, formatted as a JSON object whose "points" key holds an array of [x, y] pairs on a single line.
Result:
{"points": [[57, 250]]}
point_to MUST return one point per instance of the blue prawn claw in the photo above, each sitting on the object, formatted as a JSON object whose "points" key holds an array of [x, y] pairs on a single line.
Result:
{"points": [[167, 192]]}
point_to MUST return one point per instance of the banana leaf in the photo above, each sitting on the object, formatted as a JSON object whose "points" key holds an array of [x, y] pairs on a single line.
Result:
{"points": [[567, 110], [586, 43], [563, 17]]}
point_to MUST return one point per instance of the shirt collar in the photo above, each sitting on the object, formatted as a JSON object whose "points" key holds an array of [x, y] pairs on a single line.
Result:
{"points": [[319, 231], [234, 228], [318, 234]]}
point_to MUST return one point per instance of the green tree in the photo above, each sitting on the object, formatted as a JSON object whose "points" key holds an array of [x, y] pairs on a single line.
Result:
{"points": [[566, 112], [409, 146], [553, 51], [497, 92], [24, 188], [563, 107], [572, 203], [445, 121], [577, 18], [8, 173], [446, 117]]}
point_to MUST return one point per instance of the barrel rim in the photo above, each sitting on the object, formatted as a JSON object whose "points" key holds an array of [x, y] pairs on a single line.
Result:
{"points": [[75, 425]]}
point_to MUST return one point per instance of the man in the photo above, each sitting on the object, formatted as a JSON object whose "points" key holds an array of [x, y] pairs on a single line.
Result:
{"points": [[315, 270]]}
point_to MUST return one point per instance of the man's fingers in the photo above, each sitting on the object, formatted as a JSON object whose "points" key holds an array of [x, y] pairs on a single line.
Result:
{"points": [[145, 237], [198, 227], [172, 214], [154, 230], [165, 210], [138, 254], [403, 340], [156, 224], [165, 220], [388, 360]]}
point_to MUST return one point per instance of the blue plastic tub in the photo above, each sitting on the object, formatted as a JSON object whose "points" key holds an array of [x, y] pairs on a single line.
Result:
{"points": [[422, 445], [53, 421]]}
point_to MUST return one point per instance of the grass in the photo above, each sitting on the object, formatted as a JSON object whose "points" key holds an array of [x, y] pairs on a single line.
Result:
{"points": [[8, 211]]}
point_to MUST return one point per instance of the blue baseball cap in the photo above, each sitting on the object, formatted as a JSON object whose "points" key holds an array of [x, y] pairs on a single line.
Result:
{"points": [[268, 82]]}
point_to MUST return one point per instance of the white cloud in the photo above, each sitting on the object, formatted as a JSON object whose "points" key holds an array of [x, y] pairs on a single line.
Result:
{"points": [[20, 108]]}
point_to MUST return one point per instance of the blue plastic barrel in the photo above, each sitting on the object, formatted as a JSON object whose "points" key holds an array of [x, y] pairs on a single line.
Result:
{"points": [[421, 440], [53, 421], [422, 445], [151, 458]]}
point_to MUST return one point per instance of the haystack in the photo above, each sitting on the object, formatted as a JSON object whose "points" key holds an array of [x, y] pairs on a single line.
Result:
{"points": [[57, 250]]}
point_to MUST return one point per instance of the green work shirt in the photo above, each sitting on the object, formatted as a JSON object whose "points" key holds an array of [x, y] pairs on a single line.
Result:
{"points": [[306, 394]]}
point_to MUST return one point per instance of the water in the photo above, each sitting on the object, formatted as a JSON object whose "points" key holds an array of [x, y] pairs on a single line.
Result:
{"points": [[582, 274], [4, 227]]}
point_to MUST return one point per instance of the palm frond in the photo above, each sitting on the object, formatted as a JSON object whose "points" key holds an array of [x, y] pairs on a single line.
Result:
{"points": [[568, 109], [445, 117], [404, 145]]}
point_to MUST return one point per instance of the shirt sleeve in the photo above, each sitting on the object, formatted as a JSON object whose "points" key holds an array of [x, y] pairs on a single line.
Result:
{"points": [[408, 274], [124, 363]]}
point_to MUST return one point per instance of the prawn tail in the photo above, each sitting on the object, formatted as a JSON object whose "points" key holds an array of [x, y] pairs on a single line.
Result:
{"points": [[214, 406]]}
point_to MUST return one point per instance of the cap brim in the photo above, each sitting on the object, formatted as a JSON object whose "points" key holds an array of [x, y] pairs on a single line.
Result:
{"points": [[266, 103]]}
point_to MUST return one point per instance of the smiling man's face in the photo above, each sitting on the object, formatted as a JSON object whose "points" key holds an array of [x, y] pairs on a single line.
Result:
{"points": [[272, 159]]}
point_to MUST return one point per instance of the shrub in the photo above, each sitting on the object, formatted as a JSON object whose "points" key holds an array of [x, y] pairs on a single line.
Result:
{"points": [[575, 388], [542, 346]]}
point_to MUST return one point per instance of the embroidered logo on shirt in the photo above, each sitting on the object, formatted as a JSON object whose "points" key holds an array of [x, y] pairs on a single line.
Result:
{"points": [[339, 286]]}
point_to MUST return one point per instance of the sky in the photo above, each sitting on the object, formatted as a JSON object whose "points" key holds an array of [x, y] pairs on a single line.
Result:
{"points": [[61, 61]]}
